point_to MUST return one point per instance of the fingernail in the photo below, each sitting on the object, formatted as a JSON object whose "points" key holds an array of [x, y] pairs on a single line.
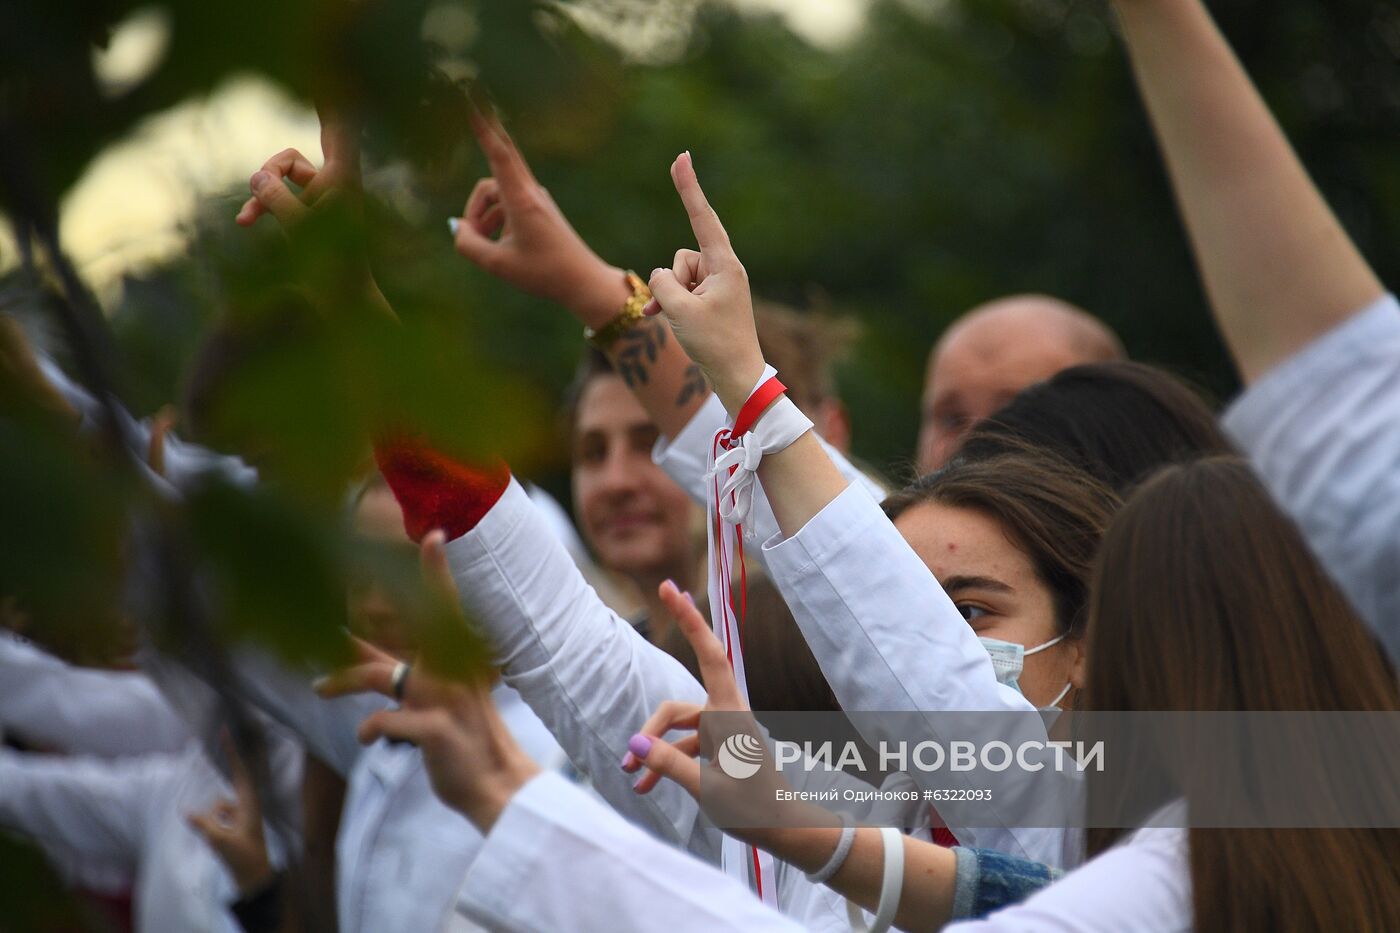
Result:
{"points": [[320, 683], [672, 582], [690, 158], [453, 223], [639, 745], [690, 599], [638, 784], [629, 761], [258, 180], [652, 309], [655, 272]]}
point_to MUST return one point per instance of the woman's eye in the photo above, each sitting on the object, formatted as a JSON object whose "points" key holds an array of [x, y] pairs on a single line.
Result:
{"points": [[971, 613]]}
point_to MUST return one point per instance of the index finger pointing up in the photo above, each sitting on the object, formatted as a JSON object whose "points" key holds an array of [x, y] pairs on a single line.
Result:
{"points": [[715, 672], [709, 232], [507, 165]]}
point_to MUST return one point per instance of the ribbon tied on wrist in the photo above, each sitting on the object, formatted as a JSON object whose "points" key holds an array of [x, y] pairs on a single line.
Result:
{"points": [[766, 423]]}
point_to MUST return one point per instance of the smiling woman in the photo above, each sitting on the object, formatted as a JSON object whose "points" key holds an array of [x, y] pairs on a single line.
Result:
{"points": [[635, 518], [1012, 540]]}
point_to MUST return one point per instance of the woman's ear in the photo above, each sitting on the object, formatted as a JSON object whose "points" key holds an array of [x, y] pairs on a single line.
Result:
{"points": [[1078, 663]]}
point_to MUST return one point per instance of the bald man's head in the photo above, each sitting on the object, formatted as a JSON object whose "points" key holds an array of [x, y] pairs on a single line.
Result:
{"points": [[993, 352]]}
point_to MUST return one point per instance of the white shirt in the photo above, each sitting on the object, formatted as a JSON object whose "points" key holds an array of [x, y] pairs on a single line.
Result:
{"points": [[128, 816], [1323, 431], [1141, 885], [546, 867], [400, 853], [685, 458], [80, 709], [850, 580], [579, 866], [592, 678]]}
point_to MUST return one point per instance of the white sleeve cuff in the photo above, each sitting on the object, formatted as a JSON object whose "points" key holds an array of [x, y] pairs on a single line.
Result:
{"points": [[831, 530], [1372, 334]]}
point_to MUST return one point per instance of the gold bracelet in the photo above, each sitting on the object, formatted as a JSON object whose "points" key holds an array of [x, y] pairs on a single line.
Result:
{"points": [[605, 336]]}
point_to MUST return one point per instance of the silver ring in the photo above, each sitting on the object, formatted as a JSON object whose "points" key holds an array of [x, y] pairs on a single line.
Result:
{"points": [[398, 678]]}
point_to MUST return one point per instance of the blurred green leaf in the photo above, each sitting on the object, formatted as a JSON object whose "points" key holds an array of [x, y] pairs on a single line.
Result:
{"points": [[275, 568], [38, 902]]}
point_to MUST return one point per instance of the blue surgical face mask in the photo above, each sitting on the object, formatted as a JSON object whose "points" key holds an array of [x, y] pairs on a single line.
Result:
{"points": [[1009, 658]]}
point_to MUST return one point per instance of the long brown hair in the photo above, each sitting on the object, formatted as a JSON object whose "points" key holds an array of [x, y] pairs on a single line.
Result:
{"points": [[1054, 512], [1205, 597]]}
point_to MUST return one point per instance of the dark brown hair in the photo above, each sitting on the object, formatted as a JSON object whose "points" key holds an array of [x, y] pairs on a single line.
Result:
{"points": [[1120, 421], [804, 347], [1052, 511], [1207, 598]]}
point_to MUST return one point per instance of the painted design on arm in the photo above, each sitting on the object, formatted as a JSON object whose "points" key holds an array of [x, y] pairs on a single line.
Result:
{"points": [[639, 349], [695, 385]]}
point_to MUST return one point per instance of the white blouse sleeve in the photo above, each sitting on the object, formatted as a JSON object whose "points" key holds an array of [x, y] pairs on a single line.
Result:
{"points": [[78, 808], [1142, 885], [1323, 431], [888, 638], [588, 675], [685, 458], [83, 710], [558, 860]]}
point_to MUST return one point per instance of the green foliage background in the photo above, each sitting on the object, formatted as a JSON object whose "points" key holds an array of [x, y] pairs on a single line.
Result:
{"points": [[949, 153], [935, 162]]}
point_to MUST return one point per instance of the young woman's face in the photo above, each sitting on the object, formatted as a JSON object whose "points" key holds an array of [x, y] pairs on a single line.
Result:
{"points": [[994, 586], [636, 519]]}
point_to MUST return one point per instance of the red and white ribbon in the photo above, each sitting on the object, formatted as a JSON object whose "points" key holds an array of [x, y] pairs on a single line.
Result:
{"points": [[767, 423]]}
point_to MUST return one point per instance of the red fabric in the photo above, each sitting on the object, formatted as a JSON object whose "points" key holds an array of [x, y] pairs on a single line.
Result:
{"points": [[942, 837], [436, 491], [756, 404]]}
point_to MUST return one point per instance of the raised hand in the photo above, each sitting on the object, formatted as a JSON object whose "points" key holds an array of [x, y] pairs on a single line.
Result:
{"points": [[512, 228], [473, 761], [340, 148], [338, 179], [677, 761], [234, 828], [744, 804], [705, 296]]}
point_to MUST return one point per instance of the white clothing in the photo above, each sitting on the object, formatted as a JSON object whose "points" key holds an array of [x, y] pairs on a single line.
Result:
{"points": [[128, 816], [559, 523], [1323, 431], [546, 867], [83, 710], [685, 458], [400, 853], [850, 580], [1140, 886], [592, 678]]}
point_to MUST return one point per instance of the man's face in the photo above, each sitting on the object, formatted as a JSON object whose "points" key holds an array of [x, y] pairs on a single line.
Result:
{"points": [[633, 516], [973, 375]]}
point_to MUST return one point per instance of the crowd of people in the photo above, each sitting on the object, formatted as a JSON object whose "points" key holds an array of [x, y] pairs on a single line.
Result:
{"points": [[1085, 534]]}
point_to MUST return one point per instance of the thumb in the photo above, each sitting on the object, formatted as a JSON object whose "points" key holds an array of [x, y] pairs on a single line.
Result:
{"points": [[480, 249], [665, 759], [668, 291], [276, 198]]}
